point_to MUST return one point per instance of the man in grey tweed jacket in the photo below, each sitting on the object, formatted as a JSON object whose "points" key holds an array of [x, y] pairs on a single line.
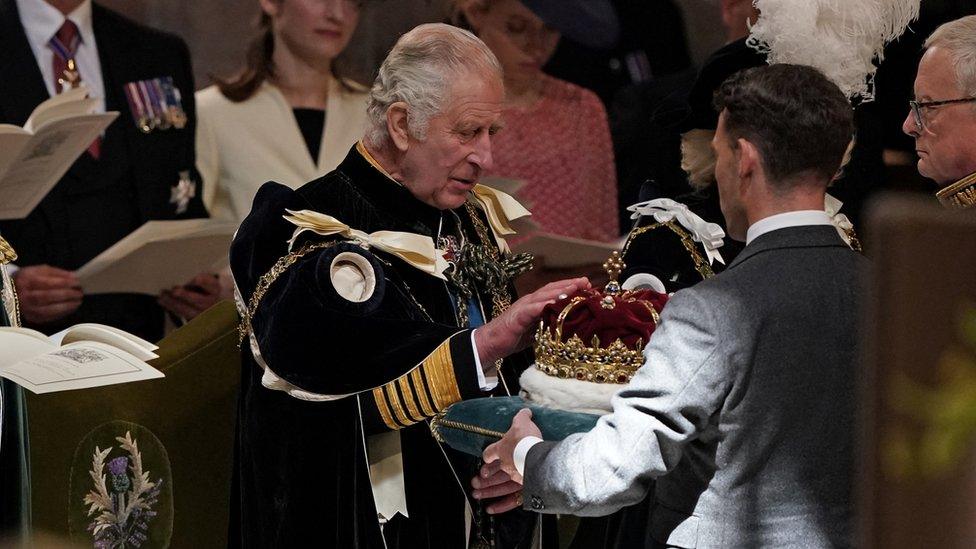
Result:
{"points": [[744, 410]]}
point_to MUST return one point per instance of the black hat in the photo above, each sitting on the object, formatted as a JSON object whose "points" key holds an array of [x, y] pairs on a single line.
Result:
{"points": [[723, 63], [591, 23]]}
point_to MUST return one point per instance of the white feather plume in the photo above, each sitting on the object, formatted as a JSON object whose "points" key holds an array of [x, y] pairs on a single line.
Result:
{"points": [[842, 38]]}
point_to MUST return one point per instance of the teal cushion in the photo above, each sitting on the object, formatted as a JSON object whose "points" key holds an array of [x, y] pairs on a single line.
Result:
{"points": [[471, 425]]}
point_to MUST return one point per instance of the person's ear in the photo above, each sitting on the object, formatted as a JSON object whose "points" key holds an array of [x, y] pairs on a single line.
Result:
{"points": [[749, 161], [397, 125], [271, 8]]}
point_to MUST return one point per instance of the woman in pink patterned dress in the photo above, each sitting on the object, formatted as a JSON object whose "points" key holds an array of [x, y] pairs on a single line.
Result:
{"points": [[556, 138]]}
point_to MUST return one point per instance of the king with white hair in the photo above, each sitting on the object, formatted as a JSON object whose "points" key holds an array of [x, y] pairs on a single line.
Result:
{"points": [[373, 298]]}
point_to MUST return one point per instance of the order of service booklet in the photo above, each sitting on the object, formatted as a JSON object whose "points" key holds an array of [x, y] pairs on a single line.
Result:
{"points": [[34, 157], [82, 356], [159, 255]]}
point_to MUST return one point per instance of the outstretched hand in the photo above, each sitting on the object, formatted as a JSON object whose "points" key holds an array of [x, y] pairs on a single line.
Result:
{"points": [[511, 331]]}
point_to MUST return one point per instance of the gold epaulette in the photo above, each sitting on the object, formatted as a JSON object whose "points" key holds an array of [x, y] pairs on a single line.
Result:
{"points": [[959, 195]]}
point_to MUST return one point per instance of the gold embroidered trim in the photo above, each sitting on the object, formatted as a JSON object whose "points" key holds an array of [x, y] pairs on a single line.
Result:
{"points": [[439, 368], [361, 149], [7, 253], [960, 195], [384, 409], [413, 410], [398, 412], [421, 391]]}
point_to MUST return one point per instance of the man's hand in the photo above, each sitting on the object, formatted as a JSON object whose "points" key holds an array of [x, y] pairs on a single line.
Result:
{"points": [[46, 293], [511, 331], [499, 477], [192, 298]]}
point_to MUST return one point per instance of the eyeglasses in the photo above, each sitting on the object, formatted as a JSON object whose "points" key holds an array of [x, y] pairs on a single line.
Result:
{"points": [[917, 107]]}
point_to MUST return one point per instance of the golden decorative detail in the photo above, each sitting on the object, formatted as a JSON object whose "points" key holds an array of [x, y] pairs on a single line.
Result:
{"points": [[398, 409], [384, 409], [960, 195], [268, 278], [701, 264], [575, 359], [438, 422], [7, 253]]}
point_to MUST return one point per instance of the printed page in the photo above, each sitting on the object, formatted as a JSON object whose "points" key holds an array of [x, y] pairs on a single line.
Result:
{"points": [[158, 256], [42, 162], [109, 335], [78, 366], [17, 344]]}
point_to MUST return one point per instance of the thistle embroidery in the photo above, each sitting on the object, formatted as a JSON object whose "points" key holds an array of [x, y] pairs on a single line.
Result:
{"points": [[121, 503]]}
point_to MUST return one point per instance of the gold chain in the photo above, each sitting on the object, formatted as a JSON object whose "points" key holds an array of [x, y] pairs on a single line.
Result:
{"points": [[266, 280], [701, 265]]}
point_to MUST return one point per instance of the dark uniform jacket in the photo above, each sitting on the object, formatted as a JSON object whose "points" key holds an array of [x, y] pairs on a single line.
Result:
{"points": [[99, 202], [402, 355]]}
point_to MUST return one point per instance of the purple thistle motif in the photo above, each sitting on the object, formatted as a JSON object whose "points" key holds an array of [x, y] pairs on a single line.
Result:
{"points": [[120, 479]]}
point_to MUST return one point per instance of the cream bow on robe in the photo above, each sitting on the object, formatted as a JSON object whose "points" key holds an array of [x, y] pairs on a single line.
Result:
{"points": [[417, 250], [710, 235]]}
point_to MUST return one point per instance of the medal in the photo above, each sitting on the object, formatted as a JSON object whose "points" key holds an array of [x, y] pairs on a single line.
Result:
{"points": [[70, 77], [175, 103], [181, 193]]}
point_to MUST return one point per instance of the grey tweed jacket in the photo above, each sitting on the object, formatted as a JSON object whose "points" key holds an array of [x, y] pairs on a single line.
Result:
{"points": [[744, 410]]}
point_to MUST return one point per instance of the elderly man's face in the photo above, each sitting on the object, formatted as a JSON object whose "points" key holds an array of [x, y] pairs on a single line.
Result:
{"points": [[442, 169], [946, 144]]}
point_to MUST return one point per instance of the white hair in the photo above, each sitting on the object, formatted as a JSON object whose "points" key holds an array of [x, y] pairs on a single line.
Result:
{"points": [[419, 71], [959, 39]]}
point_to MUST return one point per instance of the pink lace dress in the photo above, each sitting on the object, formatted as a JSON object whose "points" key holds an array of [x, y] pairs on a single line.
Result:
{"points": [[560, 147]]}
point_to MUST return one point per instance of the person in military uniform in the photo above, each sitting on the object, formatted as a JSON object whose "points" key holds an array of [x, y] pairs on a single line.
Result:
{"points": [[942, 118], [141, 168], [373, 298]]}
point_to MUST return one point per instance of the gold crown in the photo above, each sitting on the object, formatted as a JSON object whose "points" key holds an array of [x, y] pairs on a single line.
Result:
{"points": [[573, 358]]}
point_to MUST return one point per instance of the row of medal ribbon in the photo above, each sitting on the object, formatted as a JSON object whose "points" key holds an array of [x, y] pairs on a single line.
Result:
{"points": [[156, 104]]}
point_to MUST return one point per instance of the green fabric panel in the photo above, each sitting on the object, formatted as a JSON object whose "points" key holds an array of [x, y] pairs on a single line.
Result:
{"points": [[184, 426]]}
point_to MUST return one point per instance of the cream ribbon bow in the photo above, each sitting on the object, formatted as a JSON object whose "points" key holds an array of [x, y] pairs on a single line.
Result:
{"points": [[832, 206], [419, 251], [664, 209], [501, 208]]}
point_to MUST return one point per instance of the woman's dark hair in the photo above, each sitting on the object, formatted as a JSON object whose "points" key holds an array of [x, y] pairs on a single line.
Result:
{"points": [[259, 66], [798, 119]]}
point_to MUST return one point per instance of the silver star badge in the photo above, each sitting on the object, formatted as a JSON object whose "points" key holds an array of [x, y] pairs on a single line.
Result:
{"points": [[182, 192]]}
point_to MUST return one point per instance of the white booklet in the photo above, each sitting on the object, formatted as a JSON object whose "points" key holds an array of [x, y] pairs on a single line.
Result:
{"points": [[83, 356], [564, 252], [34, 157], [158, 256]]}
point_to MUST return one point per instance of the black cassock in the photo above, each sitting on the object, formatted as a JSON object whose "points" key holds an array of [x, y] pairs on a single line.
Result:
{"points": [[401, 355]]}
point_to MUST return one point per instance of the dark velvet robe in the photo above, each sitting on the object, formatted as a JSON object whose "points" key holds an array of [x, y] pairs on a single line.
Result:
{"points": [[302, 475]]}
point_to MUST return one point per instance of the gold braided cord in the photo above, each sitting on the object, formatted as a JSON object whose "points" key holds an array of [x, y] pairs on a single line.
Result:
{"points": [[701, 264], [267, 279], [439, 422], [961, 194]]}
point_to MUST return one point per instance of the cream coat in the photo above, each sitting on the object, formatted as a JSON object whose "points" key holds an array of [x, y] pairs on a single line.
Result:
{"points": [[240, 146]]}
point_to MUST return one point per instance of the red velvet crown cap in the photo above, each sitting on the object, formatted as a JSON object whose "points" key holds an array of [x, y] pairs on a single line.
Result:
{"points": [[629, 320]]}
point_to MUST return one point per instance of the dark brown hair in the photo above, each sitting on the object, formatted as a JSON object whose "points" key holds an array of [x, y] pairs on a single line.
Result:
{"points": [[259, 66], [798, 119]]}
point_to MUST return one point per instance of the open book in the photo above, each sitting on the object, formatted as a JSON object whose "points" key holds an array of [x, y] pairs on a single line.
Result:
{"points": [[158, 256], [85, 355], [33, 158]]}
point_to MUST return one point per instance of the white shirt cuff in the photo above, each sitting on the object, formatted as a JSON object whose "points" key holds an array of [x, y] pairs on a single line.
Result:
{"points": [[522, 450], [486, 384]]}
